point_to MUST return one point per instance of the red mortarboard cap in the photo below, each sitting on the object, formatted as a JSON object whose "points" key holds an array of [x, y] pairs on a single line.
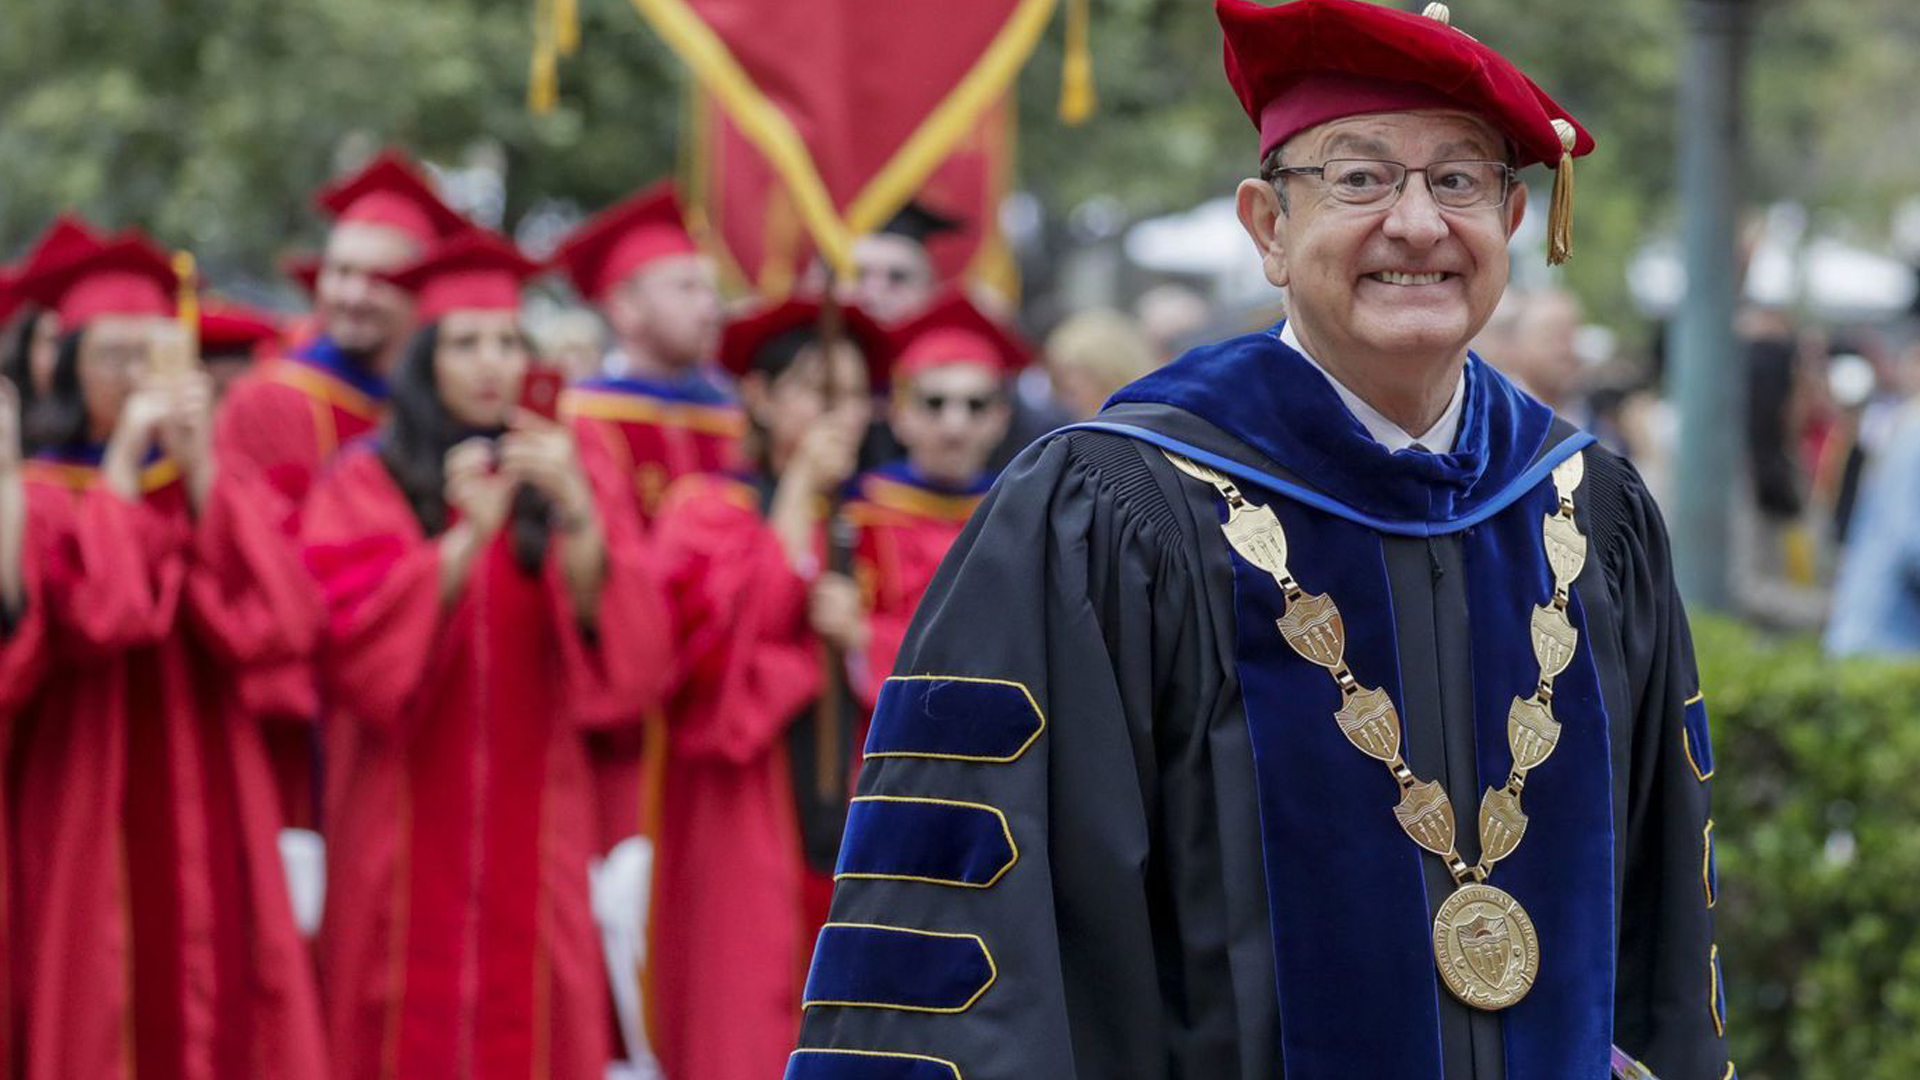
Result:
{"points": [[390, 191], [607, 248], [744, 337], [954, 331], [127, 276], [475, 271], [67, 239], [303, 269], [232, 328], [1311, 61]]}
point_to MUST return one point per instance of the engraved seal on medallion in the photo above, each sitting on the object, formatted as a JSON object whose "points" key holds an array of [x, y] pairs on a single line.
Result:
{"points": [[1485, 946]]}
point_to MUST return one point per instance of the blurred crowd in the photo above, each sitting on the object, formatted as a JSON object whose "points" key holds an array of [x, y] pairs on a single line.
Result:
{"points": [[410, 686], [1825, 503]]}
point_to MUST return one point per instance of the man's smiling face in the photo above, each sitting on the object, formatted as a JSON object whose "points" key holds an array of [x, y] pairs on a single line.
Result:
{"points": [[1407, 277]]}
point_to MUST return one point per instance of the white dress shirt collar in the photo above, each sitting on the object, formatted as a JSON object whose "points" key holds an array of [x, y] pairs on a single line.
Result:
{"points": [[1436, 439]]}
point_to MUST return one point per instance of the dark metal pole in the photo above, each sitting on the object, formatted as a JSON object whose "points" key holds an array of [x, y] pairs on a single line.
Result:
{"points": [[1706, 378]]}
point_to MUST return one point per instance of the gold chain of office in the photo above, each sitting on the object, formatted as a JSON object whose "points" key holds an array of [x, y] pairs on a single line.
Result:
{"points": [[1483, 940]]}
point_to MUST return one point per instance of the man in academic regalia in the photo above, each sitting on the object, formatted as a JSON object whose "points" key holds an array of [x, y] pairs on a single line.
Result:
{"points": [[894, 276], [657, 411], [288, 419], [951, 378], [1324, 708]]}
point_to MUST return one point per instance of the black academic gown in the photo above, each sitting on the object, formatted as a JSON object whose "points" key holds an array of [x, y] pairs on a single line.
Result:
{"points": [[1078, 851]]}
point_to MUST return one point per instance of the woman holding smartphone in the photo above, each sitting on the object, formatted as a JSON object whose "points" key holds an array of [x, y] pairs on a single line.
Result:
{"points": [[482, 617], [151, 929]]}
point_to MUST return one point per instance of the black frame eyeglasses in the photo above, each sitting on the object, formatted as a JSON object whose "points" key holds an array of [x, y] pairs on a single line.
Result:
{"points": [[1374, 184]]}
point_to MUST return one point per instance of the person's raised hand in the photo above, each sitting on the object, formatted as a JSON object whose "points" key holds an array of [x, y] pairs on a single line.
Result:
{"points": [[185, 430], [475, 488], [543, 455], [10, 428], [826, 456], [835, 612]]}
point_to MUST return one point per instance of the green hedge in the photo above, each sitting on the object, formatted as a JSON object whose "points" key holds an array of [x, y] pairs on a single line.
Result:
{"points": [[1817, 837]]}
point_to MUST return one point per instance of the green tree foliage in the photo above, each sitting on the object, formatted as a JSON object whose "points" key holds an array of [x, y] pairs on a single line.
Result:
{"points": [[211, 121], [1815, 811]]}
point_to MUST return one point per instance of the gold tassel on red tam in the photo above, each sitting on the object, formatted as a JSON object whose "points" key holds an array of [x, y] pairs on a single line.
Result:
{"points": [[1560, 216]]}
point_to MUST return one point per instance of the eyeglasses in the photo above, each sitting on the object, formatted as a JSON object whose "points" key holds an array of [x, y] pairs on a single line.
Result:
{"points": [[974, 404], [1455, 185]]}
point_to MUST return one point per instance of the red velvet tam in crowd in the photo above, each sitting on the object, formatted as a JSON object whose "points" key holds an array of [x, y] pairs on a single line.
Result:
{"points": [[475, 271], [1305, 63], [303, 269], [390, 191], [232, 329], [954, 331], [66, 240], [127, 276], [611, 246], [744, 337]]}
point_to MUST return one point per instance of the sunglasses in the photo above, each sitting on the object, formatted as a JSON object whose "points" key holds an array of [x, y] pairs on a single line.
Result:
{"points": [[974, 404], [896, 276]]}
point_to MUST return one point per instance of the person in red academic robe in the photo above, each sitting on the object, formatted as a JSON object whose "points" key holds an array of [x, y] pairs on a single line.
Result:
{"points": [[232, 338], [483, 615], [30, 331], [286, 419], [951, 406], [152, 933], [759, 609], [654, 413], [21, 659]]}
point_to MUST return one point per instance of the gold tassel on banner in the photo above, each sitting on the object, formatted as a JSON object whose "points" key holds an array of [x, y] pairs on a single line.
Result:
{"points": [[556, 33], [1077, 94], [566, 26], [1560, 216]]}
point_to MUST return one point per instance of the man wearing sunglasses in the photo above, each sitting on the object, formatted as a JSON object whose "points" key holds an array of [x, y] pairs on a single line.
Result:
{"points": [[951, 407], [1325, 707]]}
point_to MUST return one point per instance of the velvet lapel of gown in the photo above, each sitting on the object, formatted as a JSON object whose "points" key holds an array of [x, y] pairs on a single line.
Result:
{"points": [[1351, 920]]}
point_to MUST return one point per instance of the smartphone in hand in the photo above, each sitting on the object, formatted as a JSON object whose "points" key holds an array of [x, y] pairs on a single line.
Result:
{"points": [[171, 352], [540, 392]]}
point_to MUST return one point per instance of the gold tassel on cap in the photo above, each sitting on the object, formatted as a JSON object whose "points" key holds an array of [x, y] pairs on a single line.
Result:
{"points": [[1560, 216], [1077, 95], [186, 308]]}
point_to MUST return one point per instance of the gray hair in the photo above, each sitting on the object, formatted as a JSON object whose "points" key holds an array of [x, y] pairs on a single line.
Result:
{"points": [[1270, 167]]}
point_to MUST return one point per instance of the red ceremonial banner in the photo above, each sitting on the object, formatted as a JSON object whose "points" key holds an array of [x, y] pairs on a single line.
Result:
{"points": [[742, 213], [854, 105]]}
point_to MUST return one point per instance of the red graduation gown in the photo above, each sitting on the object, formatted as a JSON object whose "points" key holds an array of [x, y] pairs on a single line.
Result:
{"points": [[459, 940], [642, 435], [728, 940], [285, 421], [903, 530], [151, 916], [23, 657]]}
